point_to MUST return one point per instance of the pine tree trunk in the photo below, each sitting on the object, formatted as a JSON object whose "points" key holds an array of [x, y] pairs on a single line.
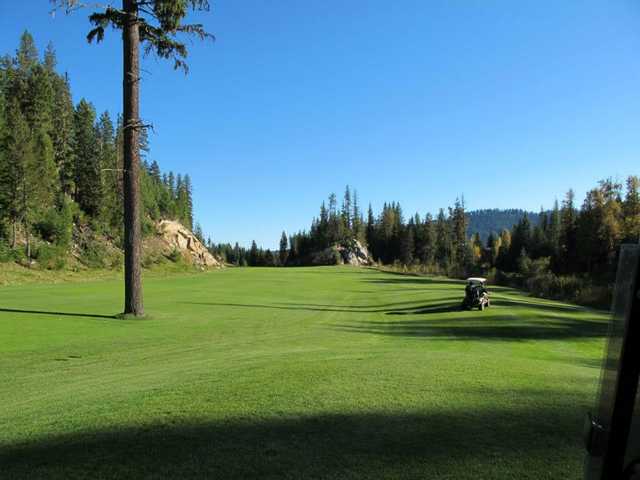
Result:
{"points": [[131, 90]]}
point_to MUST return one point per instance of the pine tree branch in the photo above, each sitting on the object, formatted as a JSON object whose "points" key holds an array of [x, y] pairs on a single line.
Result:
{"points": [[160, 39], [138, 125], [70, 6]]}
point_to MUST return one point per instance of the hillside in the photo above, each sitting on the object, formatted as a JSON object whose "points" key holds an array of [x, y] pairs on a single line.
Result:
{"points": [[495, 220], [61, 164], [168, 243]]}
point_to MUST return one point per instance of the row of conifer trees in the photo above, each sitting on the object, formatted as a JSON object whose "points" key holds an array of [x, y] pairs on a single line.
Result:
{"points": [[570, 248]]}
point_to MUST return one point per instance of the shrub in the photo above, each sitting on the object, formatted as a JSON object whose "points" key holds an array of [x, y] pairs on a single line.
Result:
{"points": [[4, 230], [7, 254], [336, 258], [541, 282], [93, 254], [508, 279], [55, 226], [96, 254], [491, 275], [175, 255], [151, 258], [542, 285], [51, 257], [147, 226]]}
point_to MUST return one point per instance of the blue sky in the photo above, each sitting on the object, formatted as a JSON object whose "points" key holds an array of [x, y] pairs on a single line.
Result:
{"points": [[509, 103]]}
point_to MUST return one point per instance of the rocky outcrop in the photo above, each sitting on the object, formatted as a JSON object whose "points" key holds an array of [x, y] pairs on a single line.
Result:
{"points": [[174, 237], [354, 253], [350, 253]]}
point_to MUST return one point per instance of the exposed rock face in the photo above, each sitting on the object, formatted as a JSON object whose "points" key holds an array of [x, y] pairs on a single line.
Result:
{"points": [[351, 253], [355, 254], [174, 236]]}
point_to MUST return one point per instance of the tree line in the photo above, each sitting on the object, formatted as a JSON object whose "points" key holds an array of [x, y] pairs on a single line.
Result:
{"points": [[572, 251], [438, 243], [555, 253], [254, 256], [62, 164]]}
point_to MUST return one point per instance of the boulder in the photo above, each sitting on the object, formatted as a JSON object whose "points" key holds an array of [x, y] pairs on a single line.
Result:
{"points": [[354, 253], [173, 236], [351, 253]]}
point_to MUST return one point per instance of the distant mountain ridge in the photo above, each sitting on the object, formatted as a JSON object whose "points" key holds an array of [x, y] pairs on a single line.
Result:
{"points": [[494, 220]]}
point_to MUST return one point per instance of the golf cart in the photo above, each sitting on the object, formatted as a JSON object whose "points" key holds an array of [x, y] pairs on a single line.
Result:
{"points": [[475, 294]]}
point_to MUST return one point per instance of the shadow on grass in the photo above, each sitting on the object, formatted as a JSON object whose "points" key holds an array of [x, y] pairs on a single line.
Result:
{"points": [[483, 326], [444, 305], [313, 307], [508, 318], [63, 314], [322, 270], [424, 280], [500, 443], [528, 302], [429, 309], [375, 308], [414, 280], [425, 277]]}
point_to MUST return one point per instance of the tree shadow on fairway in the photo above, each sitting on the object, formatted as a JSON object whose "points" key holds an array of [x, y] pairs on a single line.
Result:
{"points": [[63, 314], [531, 302], [322, 270], [497, 443], [414, 280], [400, 278], [315, 307], [384, 307], [444, 305], [428, 309], [477, 325]]}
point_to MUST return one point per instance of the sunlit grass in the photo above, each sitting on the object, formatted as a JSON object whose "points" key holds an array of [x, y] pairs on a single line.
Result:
{"points": [[293, 373]]}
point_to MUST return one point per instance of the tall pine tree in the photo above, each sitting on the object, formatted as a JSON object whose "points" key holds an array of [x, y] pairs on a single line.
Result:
{"points": [[154, 23]]}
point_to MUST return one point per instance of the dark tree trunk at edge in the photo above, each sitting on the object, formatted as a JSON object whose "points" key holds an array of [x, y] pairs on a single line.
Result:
{"points": [[131, 121]]}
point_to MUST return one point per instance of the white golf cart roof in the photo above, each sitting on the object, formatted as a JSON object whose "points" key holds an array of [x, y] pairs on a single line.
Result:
{"points": [[476, 280]]}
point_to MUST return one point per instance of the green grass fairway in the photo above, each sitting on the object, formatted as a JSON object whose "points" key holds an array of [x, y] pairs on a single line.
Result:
{"points": [[333, 373]]}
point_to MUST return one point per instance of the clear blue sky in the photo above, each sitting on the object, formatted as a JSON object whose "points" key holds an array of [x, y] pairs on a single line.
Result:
{"points": [[509, 103]]}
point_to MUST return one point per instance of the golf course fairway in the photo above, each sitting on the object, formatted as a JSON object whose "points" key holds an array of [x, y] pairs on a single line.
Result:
{"points": [[296, 373]]}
